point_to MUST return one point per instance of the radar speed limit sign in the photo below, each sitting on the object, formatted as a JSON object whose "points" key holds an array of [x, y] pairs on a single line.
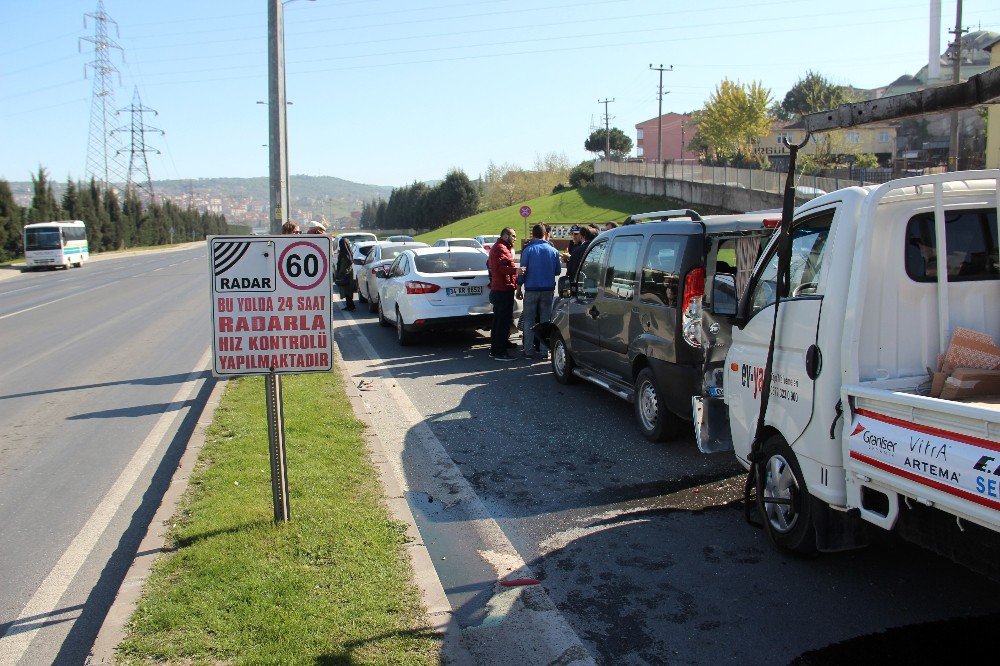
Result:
{"points": [[304, 264], [271, 304]]}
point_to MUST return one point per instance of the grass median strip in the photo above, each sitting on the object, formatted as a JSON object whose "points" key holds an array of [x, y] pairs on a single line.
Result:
{"points": [[331, 586]]}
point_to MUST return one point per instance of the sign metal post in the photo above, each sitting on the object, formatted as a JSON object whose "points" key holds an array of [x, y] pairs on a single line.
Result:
{"points": [[276, 447]]}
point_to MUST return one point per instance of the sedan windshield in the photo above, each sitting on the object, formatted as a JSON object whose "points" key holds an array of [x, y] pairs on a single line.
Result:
{"points": [[451, 262]]}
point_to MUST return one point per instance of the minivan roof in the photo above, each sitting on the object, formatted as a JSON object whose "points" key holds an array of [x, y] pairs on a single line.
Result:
{"points": [[752, 221]]}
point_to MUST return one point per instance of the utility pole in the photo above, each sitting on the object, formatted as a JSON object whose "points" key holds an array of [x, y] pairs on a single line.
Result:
{"points": [[956, 75], [607, 130], [277, 135], [659, 111]]}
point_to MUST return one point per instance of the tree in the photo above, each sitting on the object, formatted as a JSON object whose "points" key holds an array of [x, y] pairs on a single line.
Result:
{"points": [[11, 216], [582, 174], [44, 207], [735, 118], [812, 93], [621, 144], [456, 197]]}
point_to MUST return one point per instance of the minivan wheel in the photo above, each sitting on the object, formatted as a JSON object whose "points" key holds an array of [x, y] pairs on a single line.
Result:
{"points": [[656, 422], [783, 500], [403, 336], [562, 362]]}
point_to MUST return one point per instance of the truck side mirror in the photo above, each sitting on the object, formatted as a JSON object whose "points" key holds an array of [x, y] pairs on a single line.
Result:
{"points": [[724, 300]]}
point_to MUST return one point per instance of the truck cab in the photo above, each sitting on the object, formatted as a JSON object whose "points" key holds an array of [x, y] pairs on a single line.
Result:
{"points": [[851, 435]]}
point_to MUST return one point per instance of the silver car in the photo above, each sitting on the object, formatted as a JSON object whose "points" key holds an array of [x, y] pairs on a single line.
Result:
{"points": [[380, 256]]}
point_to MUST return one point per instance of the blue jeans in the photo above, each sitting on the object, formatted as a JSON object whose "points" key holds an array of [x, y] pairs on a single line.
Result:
{"points": [[537, 309]]}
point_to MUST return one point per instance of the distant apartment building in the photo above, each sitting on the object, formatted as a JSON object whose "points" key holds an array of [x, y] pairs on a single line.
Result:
{"points": [[877, 139], [675, 133]]}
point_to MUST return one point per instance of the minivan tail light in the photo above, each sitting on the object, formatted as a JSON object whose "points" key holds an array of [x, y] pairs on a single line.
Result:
{"points": [[694, 290], [417, 287]]}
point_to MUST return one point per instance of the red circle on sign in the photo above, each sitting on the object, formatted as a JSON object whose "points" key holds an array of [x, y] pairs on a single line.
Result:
{"points": [[525, 211], [321, 274]]}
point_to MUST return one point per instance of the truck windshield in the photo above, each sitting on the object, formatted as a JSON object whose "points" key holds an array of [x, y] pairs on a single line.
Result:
{"points": [[808, 245], [42, 239]]}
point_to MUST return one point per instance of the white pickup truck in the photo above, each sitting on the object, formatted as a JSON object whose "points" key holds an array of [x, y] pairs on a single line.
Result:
{"points": [[852, 437]]}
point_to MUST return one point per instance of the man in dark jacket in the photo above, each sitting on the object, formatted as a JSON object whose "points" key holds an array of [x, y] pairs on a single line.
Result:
{"points": [[503, 282], [577, 256]]}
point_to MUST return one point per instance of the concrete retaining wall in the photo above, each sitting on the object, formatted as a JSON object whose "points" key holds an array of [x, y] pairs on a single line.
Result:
{"points": [[734, 199]]}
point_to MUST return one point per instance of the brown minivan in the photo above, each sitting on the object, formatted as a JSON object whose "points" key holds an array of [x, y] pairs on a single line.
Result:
{"points": [[631, 320]]}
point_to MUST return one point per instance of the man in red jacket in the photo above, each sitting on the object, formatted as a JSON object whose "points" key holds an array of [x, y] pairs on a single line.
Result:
{"points": [[503, 282]]}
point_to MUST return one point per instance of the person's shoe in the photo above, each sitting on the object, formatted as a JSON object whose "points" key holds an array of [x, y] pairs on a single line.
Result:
{"points": [[530, 355], [350, 307], [502, 357], [511, 345]]}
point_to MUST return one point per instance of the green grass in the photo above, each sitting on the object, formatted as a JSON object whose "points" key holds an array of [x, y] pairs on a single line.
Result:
{"points": [[588, 204], [332, 586]]}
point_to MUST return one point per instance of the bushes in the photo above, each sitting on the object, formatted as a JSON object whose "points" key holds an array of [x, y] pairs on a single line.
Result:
{"points": [[582, 174]]}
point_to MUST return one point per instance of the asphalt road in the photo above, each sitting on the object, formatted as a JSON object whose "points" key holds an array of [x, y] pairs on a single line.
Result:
{"points": [[642, 547], [103, 372]]}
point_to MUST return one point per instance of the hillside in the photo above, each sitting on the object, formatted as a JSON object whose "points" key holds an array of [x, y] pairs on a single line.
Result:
{"points": [[590, 205]]}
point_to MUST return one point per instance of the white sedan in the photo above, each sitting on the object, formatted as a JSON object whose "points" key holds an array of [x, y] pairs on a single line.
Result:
{"points": [[486, 241], [360, 250], [459, 242], [436, 288], [379, 258]]}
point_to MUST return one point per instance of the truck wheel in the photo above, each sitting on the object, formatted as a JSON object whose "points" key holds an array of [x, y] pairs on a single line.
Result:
{"points": [[656, 422], [562, 362], [787, 519]]}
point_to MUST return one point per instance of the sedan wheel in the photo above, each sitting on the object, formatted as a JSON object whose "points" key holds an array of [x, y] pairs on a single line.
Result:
{"points": [[403, 336]]}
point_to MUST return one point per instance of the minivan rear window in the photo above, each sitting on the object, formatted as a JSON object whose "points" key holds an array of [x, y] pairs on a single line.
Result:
{"points": [[661, 270], [451, 262], [971, 236]]}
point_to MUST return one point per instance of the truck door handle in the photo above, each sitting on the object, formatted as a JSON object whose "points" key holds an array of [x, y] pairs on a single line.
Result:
{"points": [[594, 312]]}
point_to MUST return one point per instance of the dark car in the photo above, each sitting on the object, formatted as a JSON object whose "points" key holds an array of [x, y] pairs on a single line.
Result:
{"points": [[630, 320]]}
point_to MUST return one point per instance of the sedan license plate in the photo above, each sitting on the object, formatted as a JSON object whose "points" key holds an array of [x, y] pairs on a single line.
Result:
{"points": [[464, 291]]}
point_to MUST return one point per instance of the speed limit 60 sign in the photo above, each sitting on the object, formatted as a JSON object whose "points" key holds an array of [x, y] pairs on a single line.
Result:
{"points": [[271, 304]]}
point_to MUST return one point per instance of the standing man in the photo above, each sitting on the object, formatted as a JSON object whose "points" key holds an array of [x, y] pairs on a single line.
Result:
{"points": [[503, 281], [539, 268], [588, 233]]}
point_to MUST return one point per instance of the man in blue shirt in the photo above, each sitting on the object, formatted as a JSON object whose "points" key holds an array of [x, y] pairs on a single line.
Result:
{"points": [[540, 267]]}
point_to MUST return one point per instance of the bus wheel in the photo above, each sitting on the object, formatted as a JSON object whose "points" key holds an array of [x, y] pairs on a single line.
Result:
{"points": [[783, 499]]}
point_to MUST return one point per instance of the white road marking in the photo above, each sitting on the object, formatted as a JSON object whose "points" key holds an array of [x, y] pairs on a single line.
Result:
{"points": [[535, 632], [74, 295], [44, 603]]}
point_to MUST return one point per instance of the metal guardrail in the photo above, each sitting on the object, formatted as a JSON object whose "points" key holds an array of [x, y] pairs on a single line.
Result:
{"points": [[807, 187]]}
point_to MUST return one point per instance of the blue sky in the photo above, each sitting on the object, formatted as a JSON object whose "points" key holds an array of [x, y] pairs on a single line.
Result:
{"points": [[391, 92]]}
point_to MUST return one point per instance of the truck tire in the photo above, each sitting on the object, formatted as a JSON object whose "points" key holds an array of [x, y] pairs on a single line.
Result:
{"points": [[562, 362], [655, 421], [788, 523]]}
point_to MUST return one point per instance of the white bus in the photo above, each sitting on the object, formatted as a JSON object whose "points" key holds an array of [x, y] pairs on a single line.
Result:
{"points": [[54, 244]]}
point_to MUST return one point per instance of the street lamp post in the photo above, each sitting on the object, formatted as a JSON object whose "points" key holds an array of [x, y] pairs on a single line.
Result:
{"points": [[277, 136]]}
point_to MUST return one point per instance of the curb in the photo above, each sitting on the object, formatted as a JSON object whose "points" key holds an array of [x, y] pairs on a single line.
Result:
{"points": [[112, 631], [440, 618]]}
